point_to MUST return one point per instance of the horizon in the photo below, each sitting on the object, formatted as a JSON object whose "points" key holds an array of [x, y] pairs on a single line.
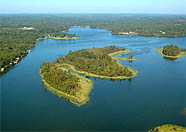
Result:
{"points": [[91, 14], [93, 7]]}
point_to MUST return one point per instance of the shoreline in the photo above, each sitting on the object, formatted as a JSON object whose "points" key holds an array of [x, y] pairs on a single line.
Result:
{"points": [[148, 35], [82, 95], [3, 69]]}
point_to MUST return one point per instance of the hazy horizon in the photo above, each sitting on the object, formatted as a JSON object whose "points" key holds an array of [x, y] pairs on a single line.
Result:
{"points": [[93, 7]]}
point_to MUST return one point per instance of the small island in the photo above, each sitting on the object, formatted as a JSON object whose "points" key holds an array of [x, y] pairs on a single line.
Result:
{"points": [[62, 76], [63, 36], [171, 51], [168, 128], [129, 58]]}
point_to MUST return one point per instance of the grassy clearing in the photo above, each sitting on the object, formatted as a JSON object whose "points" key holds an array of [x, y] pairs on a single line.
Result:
{"points": [[82, 94], [159, 51], [168, 128]]}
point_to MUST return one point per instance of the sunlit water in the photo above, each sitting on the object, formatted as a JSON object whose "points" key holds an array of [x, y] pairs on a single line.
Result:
{"points": [[155, 97]]}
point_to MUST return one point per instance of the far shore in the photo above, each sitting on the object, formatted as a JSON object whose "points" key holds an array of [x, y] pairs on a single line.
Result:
{"points": [[148, 35]]}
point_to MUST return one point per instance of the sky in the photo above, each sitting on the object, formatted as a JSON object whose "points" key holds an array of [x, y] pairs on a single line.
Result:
{"points": [[94, 6]]}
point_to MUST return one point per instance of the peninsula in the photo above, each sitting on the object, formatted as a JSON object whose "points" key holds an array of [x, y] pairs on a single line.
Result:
{"points": [[95, 62]]}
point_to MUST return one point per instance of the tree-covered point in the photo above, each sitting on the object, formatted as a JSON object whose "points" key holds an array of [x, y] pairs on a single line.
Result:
{"points": [[64, 83], [96, 61], [62, 80]]}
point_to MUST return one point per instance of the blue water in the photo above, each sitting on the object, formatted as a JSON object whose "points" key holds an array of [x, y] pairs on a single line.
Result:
{"points": [[155, 97]]}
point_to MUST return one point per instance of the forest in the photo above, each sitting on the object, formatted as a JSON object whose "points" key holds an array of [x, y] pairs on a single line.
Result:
{"points": [[19, 33]]}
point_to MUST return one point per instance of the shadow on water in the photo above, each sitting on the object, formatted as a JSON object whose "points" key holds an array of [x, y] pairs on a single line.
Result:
{"points": [[130, 80], [130, 61], [170, 59]]}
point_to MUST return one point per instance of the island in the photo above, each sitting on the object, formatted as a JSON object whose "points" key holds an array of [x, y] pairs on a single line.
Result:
{"points": [[171, 51], [129, 58], [62, 76], [63, 36], [168, 128]]}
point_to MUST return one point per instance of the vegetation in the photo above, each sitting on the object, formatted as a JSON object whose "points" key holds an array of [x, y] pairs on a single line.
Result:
{"points": [[171, 51], [18, 33], [97, 62], [66, 84], [169, 128]]}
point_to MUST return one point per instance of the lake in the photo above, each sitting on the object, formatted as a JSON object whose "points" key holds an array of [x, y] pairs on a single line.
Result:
{"points": [[156, 96]]}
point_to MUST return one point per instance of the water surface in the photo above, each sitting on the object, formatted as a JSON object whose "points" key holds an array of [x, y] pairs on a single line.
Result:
{"points": [[155, 97]]}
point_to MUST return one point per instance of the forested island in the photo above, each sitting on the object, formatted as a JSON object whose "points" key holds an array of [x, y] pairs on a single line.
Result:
{"points": [[95, 62], [168, 128], [19, 33], [171, 51]]}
